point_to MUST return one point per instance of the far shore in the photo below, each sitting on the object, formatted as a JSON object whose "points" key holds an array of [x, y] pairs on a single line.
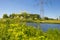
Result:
{"points": [[49, 21]]}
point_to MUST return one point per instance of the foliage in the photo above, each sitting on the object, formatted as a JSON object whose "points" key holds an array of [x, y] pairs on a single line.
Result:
{"points": [[13, 29], [23, 15], [5, 16], [46, 18]]}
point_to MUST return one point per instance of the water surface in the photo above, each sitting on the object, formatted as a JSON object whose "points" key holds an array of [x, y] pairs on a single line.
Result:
{"points": [[44, 26]]}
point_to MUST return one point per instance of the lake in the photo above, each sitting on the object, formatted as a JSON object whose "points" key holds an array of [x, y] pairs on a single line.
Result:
{"points": [[44, 26]]}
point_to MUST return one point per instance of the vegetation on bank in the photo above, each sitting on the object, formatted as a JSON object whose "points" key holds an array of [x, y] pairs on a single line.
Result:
{"points": [[26, 17], [14, 29]]}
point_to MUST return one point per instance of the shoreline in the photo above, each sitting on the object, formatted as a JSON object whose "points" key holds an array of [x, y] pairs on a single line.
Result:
{"points": [[49, 21]]}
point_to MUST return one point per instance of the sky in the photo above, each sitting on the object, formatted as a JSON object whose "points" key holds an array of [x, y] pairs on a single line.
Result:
{"points": [[51, 7]]}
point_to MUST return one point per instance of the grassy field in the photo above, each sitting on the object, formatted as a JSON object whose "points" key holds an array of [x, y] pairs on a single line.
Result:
{"points": [[12, 29], [49, 21]]}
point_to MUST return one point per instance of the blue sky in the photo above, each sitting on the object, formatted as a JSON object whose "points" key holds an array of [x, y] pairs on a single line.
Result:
{"points": [[51, 8]]}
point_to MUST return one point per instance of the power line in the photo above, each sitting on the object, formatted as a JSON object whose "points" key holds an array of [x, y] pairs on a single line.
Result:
{"points": [[42, 3], [42, 8]]}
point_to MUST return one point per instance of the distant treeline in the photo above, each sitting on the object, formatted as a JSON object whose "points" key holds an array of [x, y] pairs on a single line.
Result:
{"points": [[25, 15]]}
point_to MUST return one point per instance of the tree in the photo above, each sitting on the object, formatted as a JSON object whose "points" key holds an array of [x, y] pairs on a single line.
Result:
{"points": [[5, 16], [12, 15], [46, 18], [24, 14]]}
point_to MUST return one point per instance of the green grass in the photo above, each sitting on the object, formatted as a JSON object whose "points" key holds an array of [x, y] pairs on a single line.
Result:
{"points": [[12, 29], [47, 21]]}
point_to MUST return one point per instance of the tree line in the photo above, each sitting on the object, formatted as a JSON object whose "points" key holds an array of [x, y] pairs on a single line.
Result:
{"points": [[25, 15]]}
